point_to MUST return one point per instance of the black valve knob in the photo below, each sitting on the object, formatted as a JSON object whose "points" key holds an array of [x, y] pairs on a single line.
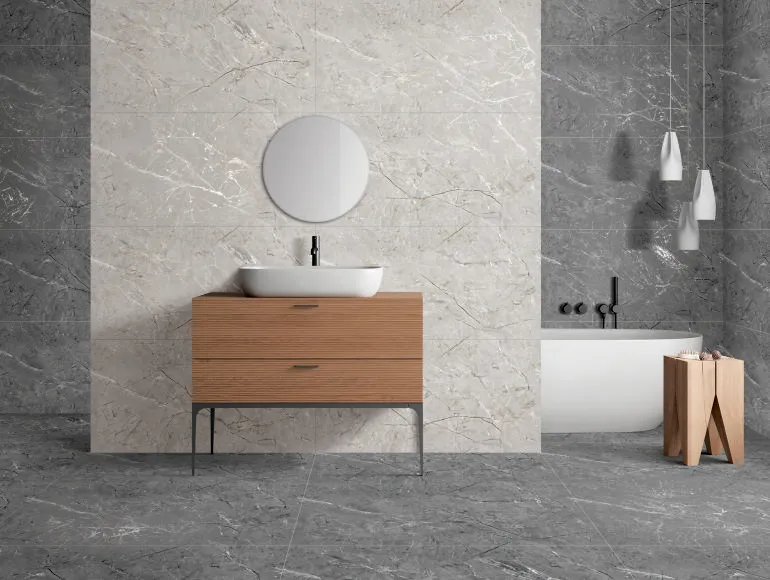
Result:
{"points": [[581, 308], [602, 308], [565, 308], [615, 309]]}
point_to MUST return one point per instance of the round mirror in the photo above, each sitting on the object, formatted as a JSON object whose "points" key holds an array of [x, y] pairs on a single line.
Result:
{"points": [[315, 169]]}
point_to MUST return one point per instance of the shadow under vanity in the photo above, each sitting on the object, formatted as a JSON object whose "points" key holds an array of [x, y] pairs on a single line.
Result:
{"points": [[307, 352]]}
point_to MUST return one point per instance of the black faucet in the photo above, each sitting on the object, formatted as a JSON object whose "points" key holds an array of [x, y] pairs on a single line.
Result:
{"points": [[612, 308], [315, 251]]}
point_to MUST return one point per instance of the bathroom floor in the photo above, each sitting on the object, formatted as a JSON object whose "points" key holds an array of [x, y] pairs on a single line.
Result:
{"points": [[591, 506]]}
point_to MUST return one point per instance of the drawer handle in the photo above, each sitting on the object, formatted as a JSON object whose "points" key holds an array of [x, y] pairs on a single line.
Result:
{"points": [[305, 306], [306, 367]]}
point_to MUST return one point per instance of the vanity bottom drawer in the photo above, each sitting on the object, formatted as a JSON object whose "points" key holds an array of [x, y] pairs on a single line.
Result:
{"points": [[307, 381]]}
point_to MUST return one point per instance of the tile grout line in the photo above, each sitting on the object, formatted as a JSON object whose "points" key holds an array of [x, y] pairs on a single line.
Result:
{"points": [[299, 511], [567, 489]]}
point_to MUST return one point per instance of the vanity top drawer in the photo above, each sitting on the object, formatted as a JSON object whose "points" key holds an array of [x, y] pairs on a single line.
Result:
{"points": [[388, 325], [307, 381]]}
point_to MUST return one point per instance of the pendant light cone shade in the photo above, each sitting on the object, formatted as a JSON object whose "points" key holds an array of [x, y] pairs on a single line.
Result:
{"points": [[687, 234], [703, 200], [670, 159]]}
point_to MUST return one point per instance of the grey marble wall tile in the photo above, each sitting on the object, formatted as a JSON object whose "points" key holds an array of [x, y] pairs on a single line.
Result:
{"points": [[428, 56], [607, 183], [715, 73], [634, 22], [45, 91], [742, 17], [598, 91], [141, 396], [198, 55], [613, 183], [182, 169], [149, 171], [44, 183], [45, 22], [44, 275], [657, 282], [754, 348], [480, 396], [747, 79], [485, 172], [45, 367], [478, 282], [746, 171], [747, 278]]}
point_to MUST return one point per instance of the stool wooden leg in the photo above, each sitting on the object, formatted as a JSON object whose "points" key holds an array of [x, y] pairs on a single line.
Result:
{"points": [[713, 442], [728, 410], [672, 442], [695, 389]]}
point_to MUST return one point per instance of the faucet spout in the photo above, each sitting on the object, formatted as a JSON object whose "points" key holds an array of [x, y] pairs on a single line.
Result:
{"points": [[315, 251]]}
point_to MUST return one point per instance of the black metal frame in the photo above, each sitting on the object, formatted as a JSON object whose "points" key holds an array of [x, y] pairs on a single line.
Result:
{"points": [[197, 407]]}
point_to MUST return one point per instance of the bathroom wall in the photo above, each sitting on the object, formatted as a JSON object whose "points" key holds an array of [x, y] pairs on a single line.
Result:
{"points": [[446, 97], [746, 170], [605, 110], [44, 206]]}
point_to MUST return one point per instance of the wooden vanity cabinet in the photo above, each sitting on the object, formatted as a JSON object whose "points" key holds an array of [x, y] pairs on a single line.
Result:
{"points": [[307, 352]]}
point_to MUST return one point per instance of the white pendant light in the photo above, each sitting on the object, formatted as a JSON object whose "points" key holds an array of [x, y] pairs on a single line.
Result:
{"points": [[687, 234], [704, 202], [670, 158], [670, 154]]}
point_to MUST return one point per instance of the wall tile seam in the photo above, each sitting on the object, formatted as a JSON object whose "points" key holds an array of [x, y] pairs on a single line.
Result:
{"points": [[621, 45], [281, 112], [763, 125], [45, 45], [303, 225], [750, 328]]}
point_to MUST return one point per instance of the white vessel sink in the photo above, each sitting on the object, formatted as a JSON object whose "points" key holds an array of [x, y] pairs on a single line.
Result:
{"points": [[311, 281]]}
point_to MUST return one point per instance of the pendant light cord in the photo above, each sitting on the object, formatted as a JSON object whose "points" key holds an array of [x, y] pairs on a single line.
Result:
{"points": [[670, 68], [703, 41]]}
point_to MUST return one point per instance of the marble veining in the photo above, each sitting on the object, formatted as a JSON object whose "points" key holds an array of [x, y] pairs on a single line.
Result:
{"points": [[605, 212], [44, 206], [73, 514], [445, 97], [746, 173]]}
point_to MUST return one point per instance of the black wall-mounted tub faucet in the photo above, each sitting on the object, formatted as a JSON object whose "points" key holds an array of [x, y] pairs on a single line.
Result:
{"points": [[613, 308], [315, 251]]}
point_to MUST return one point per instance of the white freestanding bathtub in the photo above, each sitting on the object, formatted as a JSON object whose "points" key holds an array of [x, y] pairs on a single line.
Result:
{"points": [[606, 380]]}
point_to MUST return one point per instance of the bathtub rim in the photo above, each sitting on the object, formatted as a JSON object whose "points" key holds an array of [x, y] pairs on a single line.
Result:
{"points": [[614, 335]]}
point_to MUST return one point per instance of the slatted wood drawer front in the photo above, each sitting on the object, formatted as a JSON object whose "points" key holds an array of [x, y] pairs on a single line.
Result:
{"points": [[386, 326], [307, 381]]}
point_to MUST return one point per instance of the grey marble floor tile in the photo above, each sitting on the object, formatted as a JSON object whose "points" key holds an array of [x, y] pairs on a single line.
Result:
{"points": [[162, 510], [46, 367], [688, 563], [662, 502], [519, 560], [45, 275], [45, 91], [461, 500], [44, 183], [45, 22], [152, 562]]}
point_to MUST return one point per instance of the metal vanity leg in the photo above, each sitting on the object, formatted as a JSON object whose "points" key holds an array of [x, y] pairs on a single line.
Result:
{"points": [[418, 410], [192, 450], [211, 420]]}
